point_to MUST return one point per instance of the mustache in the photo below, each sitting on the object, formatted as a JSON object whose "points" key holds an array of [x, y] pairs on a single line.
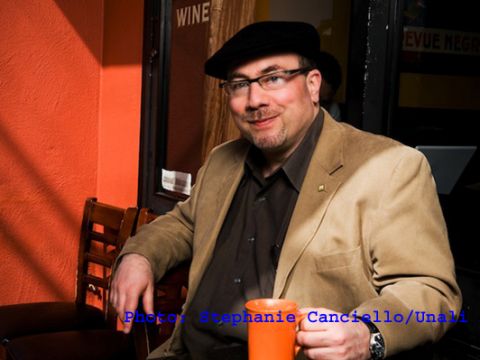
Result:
{"points": [[260, 114]]}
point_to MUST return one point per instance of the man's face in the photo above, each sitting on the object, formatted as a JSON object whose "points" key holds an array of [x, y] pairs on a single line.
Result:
{"points": [[275, 120]]}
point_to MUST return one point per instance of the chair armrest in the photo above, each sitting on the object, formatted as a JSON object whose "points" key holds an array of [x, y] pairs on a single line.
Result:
{"points": [[27, 319]]}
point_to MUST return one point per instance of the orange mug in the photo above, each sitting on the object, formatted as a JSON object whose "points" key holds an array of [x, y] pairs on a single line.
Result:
{"points": [[272, 329]]}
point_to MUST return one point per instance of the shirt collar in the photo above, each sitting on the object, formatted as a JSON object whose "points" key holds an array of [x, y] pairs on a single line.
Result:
{"points": [[296, 165]]}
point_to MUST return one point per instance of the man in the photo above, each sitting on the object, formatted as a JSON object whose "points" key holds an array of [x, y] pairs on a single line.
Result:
{"points": [[303, 208]]}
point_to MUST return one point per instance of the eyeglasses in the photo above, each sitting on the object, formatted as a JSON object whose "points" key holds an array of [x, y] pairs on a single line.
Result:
{"points": [[271, 81]]}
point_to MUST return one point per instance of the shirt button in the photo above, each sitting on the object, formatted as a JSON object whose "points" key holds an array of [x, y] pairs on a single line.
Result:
{"points": [[237, 280], [251, 239], [261, 199]]}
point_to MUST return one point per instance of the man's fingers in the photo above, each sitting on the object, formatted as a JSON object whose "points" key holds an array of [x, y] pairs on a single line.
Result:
{"points": [[148, 299], [314, 338], [326, 334], [131, 304], [321, 353], [320, 319], [121, 306], [127, 327], [133, 278], [113, 298]]}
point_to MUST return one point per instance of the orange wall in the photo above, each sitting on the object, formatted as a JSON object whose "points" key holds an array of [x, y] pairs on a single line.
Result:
{"points": [[119, 126], [66, 116]]}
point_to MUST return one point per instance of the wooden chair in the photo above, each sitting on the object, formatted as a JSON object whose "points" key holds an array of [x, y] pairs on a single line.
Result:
{"points": [[169, 297], [76, 330], [105, 229]]}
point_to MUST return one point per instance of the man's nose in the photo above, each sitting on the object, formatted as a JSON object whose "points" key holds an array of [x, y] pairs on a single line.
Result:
{"points": [[257, 96]]}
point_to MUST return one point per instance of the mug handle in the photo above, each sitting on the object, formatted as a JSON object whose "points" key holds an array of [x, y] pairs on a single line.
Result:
{"points": [[298, 318]]}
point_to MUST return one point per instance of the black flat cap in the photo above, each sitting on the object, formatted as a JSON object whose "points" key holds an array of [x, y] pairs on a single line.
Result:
{"points": [[264, 38]]}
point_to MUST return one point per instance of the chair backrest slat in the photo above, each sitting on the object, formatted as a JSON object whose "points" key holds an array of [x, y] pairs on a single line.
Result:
{"points": [[104, 238], [104, 259], [96, 281], [107, 215], [105, 228]]}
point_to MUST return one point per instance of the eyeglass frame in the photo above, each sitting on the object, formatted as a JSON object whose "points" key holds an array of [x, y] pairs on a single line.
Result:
{"points": [[289, 73]]}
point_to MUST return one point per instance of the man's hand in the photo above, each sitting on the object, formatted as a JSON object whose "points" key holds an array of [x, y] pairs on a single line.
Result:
{"points": [[132, 279], [333, 340]]}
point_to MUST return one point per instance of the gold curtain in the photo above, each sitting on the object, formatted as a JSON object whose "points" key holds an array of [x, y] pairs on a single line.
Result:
{"points": [[226, 18]]}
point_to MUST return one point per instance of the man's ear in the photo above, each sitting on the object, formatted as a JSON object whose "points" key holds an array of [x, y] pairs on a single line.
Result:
{"points": [[314, 81]]}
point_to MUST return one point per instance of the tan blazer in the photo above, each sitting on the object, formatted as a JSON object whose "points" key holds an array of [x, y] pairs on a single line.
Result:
{"points": [[367, 233]]}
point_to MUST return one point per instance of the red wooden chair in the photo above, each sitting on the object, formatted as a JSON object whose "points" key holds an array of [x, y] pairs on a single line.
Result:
{"points": [[76, 330]]}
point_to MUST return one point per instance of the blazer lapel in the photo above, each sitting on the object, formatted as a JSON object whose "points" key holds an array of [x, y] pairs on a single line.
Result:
{"points": [[319, 186], [223, 189]]}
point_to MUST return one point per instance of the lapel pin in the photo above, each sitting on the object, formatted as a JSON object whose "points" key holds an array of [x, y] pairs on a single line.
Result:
{"points": [[321, 188]]}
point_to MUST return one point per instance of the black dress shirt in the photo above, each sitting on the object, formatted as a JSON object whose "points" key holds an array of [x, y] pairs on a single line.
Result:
{"points": [[246, 254]]}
